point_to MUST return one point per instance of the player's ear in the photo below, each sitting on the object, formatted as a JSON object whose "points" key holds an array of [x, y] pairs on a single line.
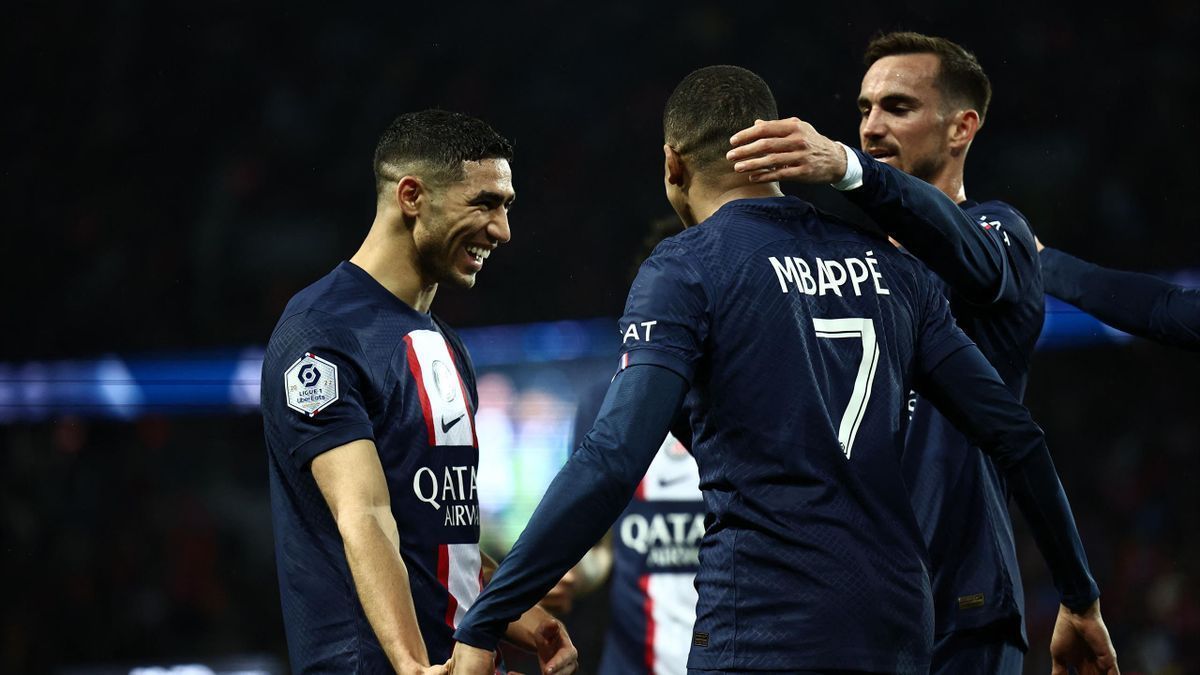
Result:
{"points": [[963, 128], [673, 165], [410, 190]]}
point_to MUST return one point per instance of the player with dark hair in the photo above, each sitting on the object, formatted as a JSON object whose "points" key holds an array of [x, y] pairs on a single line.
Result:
{"points": [[791, 340], [1140, 304], [922, 101], [368, 404]]}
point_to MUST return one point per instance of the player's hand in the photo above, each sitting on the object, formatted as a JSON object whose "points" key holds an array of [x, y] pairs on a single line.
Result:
{"points": [[1039, 244], [788, 149], [555, 652], [1081, 640], [468, 660], [413, 668], [561, 598]]}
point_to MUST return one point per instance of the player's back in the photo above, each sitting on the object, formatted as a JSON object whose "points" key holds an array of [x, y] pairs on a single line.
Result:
{"points": [[805, 338]]}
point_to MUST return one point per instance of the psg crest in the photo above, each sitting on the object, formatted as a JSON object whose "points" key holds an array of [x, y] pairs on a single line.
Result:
{"points": [[311, 384]]}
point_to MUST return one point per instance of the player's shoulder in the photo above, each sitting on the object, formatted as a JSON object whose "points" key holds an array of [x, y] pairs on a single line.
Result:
{"points": [[997, 211], [315, 296], [741, 227], [836, 228], [307, 329]]}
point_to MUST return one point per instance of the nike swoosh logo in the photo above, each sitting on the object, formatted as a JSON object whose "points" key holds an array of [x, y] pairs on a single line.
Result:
{"points": [[446, 427], [674, 480]]}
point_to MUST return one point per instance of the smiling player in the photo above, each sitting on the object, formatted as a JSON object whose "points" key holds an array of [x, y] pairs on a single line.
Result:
{"points": [[368, 403]]}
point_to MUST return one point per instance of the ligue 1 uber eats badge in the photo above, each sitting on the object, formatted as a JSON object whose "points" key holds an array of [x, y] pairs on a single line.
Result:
{"points": [[311, 384]]}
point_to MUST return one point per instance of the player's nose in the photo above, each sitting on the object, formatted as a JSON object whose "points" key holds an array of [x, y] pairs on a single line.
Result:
{"points": [[498, 230], [872, 126]]}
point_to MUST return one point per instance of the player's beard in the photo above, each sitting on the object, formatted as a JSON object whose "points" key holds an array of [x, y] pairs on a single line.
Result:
{"points": [[927, 168]]}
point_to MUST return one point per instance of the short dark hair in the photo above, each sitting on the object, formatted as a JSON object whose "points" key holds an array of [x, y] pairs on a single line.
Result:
{"points": [[710, 105], [433, 144], [960, 77]]}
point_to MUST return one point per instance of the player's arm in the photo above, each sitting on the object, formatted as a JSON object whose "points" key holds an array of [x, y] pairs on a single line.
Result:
{"points": [[972, 259], [967, 389], [953, 374], [582, 502], [352, 481], [1135, 303], [537, 630]]}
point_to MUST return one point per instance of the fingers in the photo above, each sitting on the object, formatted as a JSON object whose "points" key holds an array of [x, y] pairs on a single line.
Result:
{"points": [[797, 173], [559, 655], [565, 662], [764, 146], [764, 129], [552, 631], [772, 162]]}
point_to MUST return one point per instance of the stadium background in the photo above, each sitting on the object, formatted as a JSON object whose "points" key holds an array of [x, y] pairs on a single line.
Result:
{"points": [[173, 172]]}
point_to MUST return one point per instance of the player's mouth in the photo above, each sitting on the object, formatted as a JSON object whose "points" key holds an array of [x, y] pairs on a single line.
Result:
{"points": [[881, 154], [476, 254]]}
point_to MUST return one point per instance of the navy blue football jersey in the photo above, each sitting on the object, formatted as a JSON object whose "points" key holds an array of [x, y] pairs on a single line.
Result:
{"points": [[348, 360], [959, 496], [800, 337]]}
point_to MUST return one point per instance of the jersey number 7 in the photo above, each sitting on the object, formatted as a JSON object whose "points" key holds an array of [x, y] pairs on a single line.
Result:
{"points": [[863, 329]]}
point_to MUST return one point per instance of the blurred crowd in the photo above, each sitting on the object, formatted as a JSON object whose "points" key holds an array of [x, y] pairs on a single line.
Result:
{"points": [[200, 163]]}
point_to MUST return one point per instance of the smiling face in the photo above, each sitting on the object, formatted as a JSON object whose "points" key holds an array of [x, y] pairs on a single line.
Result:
{"points": [[464, 222], [905, 122]]}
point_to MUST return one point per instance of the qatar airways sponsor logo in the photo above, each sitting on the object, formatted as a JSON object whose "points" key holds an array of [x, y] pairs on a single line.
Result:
{"points": [[452, 493], [666, 539], [852, 275]]}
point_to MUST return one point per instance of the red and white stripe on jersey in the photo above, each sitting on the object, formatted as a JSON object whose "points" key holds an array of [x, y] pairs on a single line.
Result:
{"points": [[460, 570], [668, 599], [670, 612], [443, 397]]}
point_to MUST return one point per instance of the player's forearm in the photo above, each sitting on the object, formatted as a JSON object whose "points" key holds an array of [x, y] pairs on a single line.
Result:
{"points": [[381, 581], [1040, 496], [1136, 303], [582, 501], [578, 507], [933, 228], [966, 388]]}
